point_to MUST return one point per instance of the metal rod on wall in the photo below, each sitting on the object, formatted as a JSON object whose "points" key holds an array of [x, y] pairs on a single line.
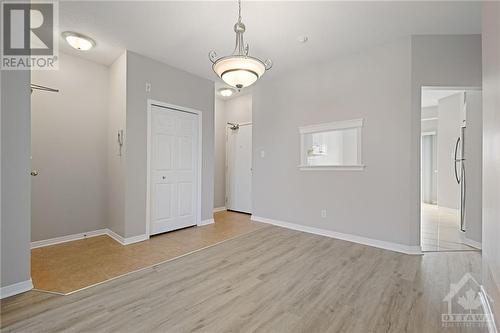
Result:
{"points": [[43, 88]]}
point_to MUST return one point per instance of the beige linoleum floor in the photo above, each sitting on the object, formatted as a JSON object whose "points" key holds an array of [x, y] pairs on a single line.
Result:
{"points": [[441, 230], [67, 267]]}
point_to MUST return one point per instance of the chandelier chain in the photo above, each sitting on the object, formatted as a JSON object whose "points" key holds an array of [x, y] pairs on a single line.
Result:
{"points": [[239, 10], [238, 69]]}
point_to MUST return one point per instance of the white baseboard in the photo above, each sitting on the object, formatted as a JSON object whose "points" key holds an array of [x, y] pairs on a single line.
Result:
{"points": [[485, 301], [135, 239], [206, 222], [100, 232], [68, 238], [16, 288], [406, 249], [472, 243], [126, 240], [219, 209]]}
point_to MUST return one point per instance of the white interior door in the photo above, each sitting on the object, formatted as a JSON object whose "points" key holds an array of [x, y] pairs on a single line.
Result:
{"points": [[239, 169], [174, 164]]}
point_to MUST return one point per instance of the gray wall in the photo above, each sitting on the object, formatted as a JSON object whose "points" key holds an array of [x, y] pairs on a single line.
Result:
{"points": [[429, 164], [235, 110], [220, 154], [450, 121], [447, 61], [430, 125], [172, 86], [68, 147], [116, 164], [76, 142], [491, 161], [239, 109], [16, 167], [382, 85], [374, 85]]}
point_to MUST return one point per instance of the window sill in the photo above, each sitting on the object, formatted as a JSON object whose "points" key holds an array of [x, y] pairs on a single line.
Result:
{"points": [[359, 167]]}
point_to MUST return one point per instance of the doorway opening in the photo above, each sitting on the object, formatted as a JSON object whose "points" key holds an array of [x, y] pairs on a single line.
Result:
{"points": [[239, 167], [451, 159], [233, 153]]}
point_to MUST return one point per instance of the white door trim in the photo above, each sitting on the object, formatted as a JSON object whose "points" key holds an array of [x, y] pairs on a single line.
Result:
{"points": [[151, 103], [418, 199]]}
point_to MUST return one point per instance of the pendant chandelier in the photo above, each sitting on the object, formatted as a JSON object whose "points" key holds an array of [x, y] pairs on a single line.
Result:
{"points": [[239, 70]]}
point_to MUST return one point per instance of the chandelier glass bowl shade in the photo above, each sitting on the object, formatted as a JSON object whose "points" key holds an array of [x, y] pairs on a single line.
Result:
{"points": [[239, 70]]}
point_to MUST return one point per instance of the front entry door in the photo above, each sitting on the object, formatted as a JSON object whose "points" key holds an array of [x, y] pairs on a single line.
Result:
{"points": [[174, 164], [239, 169]]}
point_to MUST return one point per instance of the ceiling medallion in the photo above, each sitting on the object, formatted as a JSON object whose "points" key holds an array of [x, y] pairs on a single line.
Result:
{"points": [[239, 70]]}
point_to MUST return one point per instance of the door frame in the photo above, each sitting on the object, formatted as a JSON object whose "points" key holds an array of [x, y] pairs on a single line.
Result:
{"points": [[228, 187], [434, 134], [419, 151], [172, 107]]}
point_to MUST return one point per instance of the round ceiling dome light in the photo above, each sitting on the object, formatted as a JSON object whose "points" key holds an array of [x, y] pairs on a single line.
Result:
{"points": [[78, 41], [239, 70], [226, 92]]}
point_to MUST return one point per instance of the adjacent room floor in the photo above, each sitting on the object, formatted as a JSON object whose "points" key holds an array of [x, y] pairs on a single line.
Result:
{"points": [[441, 230], [269, 280], [67, 267]]}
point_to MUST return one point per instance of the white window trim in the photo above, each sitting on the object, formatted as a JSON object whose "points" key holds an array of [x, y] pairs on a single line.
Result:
{"points": [[325, 127], [337, 125]]}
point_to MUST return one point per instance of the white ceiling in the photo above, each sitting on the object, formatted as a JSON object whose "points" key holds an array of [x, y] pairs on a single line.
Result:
{"points": [[432, 97], [182, 33]]}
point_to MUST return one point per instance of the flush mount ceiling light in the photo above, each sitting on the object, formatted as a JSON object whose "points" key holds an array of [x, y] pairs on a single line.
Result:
{"points": [[78, 41], [226, 92], [239, 70]]}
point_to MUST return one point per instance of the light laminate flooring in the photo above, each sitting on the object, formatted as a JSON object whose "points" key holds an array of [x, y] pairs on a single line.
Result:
{"points": [[269, 280], [71, 266], [441, 230]]}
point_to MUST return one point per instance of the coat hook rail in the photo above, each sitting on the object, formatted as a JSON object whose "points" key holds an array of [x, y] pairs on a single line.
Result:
{"points": [[43, 88]]}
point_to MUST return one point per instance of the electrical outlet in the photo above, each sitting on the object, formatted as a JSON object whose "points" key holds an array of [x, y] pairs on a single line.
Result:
{"points": [[148, 87], [323, 213], [262, 154]]}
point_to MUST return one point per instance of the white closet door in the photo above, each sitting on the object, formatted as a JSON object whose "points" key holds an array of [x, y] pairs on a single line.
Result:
{"points": [[239, 167], [174, 165]]}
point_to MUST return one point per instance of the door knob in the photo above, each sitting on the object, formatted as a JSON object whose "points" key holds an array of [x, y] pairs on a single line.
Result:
{"points": [[34, 173]]}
